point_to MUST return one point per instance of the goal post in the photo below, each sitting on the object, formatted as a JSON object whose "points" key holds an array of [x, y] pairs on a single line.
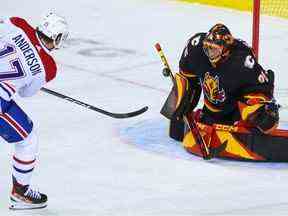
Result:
{"points": [[275, 8], [256, 27]]}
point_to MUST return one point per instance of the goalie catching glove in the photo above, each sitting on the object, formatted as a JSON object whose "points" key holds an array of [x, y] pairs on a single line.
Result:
{"points": [[266, 118], [261, 114]]}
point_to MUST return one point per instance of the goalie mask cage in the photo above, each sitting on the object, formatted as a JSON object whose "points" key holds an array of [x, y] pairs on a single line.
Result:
{"points": [[277, 8]]}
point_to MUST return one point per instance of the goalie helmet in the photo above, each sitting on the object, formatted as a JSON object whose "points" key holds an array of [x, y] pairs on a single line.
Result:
{"points": [[217, 43], [54, 27]]}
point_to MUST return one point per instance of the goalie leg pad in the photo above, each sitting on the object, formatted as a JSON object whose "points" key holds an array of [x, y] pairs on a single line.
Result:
{"points": [[176, 129]]}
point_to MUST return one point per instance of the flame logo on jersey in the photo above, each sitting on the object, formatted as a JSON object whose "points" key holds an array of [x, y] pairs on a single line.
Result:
{"points": [[212, 90]]}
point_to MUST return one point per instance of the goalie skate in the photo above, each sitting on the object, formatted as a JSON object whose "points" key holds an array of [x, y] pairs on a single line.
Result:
{"points": [[24, 197]]}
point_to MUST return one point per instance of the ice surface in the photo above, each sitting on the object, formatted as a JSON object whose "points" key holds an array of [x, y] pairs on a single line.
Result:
{"points": [[91, 164]]}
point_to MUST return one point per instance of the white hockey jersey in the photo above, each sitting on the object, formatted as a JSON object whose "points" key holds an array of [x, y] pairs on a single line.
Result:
{"points": [[25, 64]]}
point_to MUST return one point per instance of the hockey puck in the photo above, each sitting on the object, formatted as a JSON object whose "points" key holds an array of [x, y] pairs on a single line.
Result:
{"points": [[166, 72]]}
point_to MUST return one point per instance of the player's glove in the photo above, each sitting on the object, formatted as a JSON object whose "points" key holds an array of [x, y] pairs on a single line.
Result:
{"points": [[188, 95]]}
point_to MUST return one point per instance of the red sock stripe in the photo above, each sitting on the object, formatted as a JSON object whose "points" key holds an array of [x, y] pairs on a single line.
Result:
{"points": [[23, 162], [21, 131]]}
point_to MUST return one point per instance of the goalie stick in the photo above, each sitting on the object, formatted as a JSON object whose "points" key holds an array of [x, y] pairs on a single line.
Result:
{"points": [[88, 106], [191, 124]]}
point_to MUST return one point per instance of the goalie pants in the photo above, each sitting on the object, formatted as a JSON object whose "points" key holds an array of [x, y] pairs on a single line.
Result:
{"points": [[210, 118]]}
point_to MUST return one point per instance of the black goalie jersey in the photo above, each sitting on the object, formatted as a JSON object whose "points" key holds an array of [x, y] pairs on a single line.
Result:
{"points": [[230, 88]]}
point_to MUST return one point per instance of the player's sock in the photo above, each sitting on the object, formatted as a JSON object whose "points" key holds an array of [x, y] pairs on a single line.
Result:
{"points": [[22, 169]]}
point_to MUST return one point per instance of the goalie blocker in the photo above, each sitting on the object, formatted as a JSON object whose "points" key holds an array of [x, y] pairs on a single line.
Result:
{"points": [[182, 100]]}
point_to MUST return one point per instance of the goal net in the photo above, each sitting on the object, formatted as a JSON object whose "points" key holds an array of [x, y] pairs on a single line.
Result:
{"points": [[277, 8], [269, 30], [273, 8]]}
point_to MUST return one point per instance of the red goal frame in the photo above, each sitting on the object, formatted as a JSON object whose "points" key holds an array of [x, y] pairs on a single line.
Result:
{"points": [[256, 26]]}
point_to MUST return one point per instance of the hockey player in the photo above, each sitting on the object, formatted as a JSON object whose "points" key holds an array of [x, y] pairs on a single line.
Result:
{"points": [[25, 66], [237, 90]]}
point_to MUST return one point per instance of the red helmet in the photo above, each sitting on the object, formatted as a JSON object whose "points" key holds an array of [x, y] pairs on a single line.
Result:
{"points": [[217, 43]]}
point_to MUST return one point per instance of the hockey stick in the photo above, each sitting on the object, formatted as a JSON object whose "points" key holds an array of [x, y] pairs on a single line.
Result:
{"points": [[191, 124], [88, 106]]}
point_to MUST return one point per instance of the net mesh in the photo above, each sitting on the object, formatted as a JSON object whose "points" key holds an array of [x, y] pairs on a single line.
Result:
{"points": [[278, 8]]}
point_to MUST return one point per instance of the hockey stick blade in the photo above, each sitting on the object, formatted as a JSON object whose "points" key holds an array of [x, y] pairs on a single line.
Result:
{"points": [[88, 106]]}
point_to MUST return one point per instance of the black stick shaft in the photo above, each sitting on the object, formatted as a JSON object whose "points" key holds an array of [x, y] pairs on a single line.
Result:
{"points": [[88, 106]]}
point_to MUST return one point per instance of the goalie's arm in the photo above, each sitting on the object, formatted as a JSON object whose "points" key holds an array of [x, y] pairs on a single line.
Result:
{"points": [[261, 114], [188, 65], [257, 106]]}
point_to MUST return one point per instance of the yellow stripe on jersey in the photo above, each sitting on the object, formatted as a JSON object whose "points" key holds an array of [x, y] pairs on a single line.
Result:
{"points": [[187, 74], [259, 97]]}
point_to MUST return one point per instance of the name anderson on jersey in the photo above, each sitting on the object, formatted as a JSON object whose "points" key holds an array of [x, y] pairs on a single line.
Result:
{"points": [[28, 53]]}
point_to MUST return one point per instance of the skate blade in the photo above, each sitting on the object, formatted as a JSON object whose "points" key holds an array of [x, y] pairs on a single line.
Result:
{"points": [[25, 206]]}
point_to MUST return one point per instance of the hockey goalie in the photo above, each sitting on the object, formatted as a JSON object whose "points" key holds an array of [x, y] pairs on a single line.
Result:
{"points": [[240, 116]]}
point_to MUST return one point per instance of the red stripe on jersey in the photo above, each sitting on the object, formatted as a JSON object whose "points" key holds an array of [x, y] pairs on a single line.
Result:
{"points": [[23, 162], [210, 106], [47, 60], [10, 87], [21, 131]]}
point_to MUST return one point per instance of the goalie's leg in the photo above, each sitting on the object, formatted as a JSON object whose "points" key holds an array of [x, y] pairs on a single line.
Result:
{"points": [[176, 129]]}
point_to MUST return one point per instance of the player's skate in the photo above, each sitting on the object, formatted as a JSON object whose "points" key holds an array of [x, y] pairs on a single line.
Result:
{"points": [[24, 197]]}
